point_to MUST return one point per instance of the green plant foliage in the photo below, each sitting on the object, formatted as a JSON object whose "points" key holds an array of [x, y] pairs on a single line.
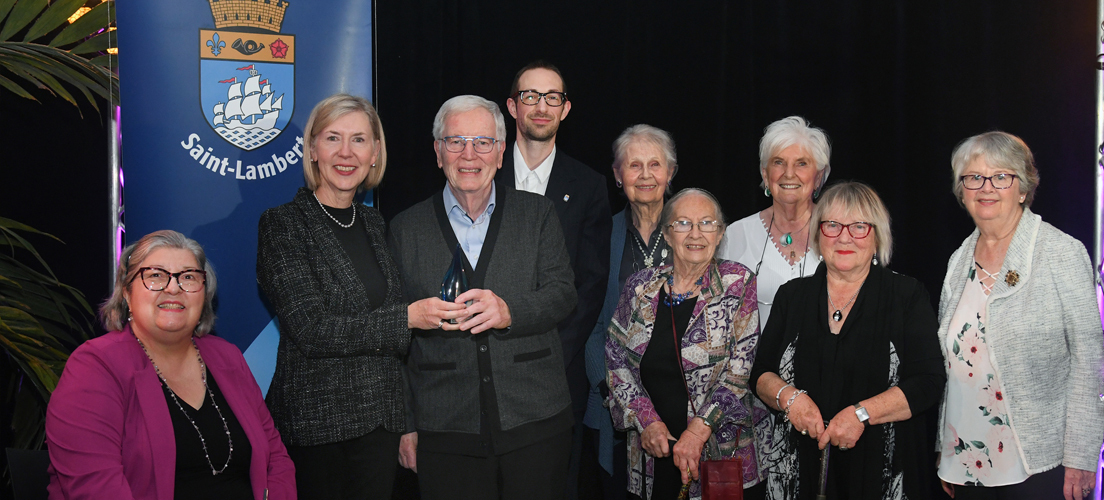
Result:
{"points": [[74, 57], [41, 319]]}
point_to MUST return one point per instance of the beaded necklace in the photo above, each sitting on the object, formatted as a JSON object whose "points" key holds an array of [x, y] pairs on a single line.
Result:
{"points": [[203, 371], [674, 299]]}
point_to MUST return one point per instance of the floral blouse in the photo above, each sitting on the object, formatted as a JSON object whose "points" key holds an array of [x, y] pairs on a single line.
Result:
{"points": [[979, 449], [718, 351]]}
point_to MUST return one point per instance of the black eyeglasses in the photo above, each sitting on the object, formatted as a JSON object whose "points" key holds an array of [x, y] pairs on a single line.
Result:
{"points": [[532, 97], [456, 143], [156, 279], [857, 230], [975, 181]]}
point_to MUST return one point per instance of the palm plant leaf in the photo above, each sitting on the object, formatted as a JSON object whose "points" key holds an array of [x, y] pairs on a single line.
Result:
{"points": [[41, 319], [53, 18], [50, 53], [21, 15]]}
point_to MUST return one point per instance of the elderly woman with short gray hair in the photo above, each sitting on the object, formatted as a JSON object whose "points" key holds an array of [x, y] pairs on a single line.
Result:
{"points": [[680, 348], [1020, 329]]}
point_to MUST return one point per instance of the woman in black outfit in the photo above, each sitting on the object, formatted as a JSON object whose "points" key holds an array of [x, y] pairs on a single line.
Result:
{"points": [[323, 263]]}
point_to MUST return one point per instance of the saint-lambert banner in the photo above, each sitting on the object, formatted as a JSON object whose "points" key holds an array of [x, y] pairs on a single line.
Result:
{"points": [[215, 95]]}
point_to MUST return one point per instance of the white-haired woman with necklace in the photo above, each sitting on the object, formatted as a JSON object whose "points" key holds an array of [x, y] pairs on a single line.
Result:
{"points": [[794, 163]]}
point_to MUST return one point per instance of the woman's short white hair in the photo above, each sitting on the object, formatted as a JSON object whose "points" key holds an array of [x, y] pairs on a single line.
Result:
{"points": [[788, 132], [463, 104], [648, 134], [854, 197]]}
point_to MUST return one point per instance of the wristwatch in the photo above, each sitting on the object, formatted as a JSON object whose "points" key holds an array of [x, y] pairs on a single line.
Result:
{"points": [[864, 417]]}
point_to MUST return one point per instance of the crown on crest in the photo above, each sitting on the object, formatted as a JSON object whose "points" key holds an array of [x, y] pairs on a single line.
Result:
{"points": [[263, 14]]}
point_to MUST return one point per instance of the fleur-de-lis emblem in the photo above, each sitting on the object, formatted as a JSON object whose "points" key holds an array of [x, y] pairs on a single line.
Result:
{"points": [[215, 44], [1012, 278]]}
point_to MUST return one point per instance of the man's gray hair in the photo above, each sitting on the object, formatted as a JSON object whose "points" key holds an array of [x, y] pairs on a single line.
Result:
{"points": [[463, 104]]}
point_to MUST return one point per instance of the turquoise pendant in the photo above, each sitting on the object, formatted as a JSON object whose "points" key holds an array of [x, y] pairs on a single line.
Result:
{"points": [[787, 240]]}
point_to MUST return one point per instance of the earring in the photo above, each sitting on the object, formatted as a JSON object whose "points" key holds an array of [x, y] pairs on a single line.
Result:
{"points": [[618, 184], [820, 258], [766, 192], [1022, 198], [875, 258]]}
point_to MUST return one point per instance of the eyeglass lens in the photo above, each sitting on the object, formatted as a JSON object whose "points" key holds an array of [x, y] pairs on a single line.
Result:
{"points": [[999, 181], [156, 279], [684, 226], [456, 143], [858, 230], [532, 97]]}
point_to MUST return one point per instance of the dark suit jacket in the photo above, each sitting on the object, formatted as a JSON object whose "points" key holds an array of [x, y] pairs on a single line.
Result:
{"points": [[515, 375], [338, 369], [582, 202]]}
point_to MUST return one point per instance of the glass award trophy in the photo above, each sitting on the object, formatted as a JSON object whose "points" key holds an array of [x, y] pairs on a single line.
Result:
{"points": [[455, 282]]}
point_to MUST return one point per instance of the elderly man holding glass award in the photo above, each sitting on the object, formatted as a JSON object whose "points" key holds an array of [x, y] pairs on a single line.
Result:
{"points": [[490, 408]]}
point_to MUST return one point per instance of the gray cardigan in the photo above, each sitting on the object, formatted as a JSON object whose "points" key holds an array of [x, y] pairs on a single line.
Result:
{"points": [[1045, 344], [523, 261]]}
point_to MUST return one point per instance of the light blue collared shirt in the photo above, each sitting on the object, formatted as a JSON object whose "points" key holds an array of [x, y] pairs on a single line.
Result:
{"points": [[470, 233]]}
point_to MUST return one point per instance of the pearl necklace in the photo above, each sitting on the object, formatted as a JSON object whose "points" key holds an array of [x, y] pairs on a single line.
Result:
{"points": [[328, 214], [203, 371]]}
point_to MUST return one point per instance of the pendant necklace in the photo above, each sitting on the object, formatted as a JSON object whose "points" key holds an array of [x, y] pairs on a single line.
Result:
{"points": [[346, 226], [787, 238], [210, 393], [649, 256], [838, 315], [674, 299], [793, 254]]}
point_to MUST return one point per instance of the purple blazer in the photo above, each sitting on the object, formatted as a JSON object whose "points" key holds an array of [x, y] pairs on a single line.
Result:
{"points": [[110, 435]]}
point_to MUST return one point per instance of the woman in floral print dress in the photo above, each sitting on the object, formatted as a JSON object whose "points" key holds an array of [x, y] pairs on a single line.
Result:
{"points": [[1020, 331]]}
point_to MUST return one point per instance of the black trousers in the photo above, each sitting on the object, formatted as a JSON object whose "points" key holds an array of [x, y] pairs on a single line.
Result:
{"points": [[360, 468], [1042, 486], [534, 472]]}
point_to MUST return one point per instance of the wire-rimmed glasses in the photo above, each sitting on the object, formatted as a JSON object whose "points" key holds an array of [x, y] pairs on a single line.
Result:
{"points": [[685, 226], [481, 144]]}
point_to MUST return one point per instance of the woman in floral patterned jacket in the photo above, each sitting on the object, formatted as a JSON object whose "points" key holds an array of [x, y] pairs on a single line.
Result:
{"points": [[710, 307]]}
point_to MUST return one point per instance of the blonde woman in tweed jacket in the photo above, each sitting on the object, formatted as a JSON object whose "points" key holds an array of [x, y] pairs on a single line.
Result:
{"points": [[324, 265], [1020, 330]]}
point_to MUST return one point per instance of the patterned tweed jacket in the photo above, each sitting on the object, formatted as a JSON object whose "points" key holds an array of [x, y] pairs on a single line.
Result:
{"points": [[338, 369], [1044, 340], [718, 351]]}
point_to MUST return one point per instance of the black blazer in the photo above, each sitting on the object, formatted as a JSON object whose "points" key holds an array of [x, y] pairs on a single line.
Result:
{"points": [[338, 369], [581, 200]]}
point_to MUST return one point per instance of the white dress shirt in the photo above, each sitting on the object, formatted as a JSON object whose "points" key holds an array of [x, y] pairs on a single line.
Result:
{"points": [[535, 180]]}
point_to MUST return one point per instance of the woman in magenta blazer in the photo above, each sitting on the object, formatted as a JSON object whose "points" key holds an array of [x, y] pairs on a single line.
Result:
{"points": [[155, 409]]}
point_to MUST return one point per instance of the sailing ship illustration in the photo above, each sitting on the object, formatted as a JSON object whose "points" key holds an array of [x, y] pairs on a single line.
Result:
{"points": [[248, 118]]}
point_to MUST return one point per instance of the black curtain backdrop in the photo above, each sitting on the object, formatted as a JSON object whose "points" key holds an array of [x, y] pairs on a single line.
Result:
{"points": [[895, 84]]}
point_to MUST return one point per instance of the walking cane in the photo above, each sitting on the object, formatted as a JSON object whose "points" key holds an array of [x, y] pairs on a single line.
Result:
{"points": [[822, 493]]}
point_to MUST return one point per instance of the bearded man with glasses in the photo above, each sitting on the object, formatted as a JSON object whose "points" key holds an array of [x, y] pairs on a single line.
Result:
{"points": [[538, 102], [488, 398]]}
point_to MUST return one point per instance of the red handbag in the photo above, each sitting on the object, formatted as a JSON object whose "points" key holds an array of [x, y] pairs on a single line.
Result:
{"points": [[722, 478]]}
